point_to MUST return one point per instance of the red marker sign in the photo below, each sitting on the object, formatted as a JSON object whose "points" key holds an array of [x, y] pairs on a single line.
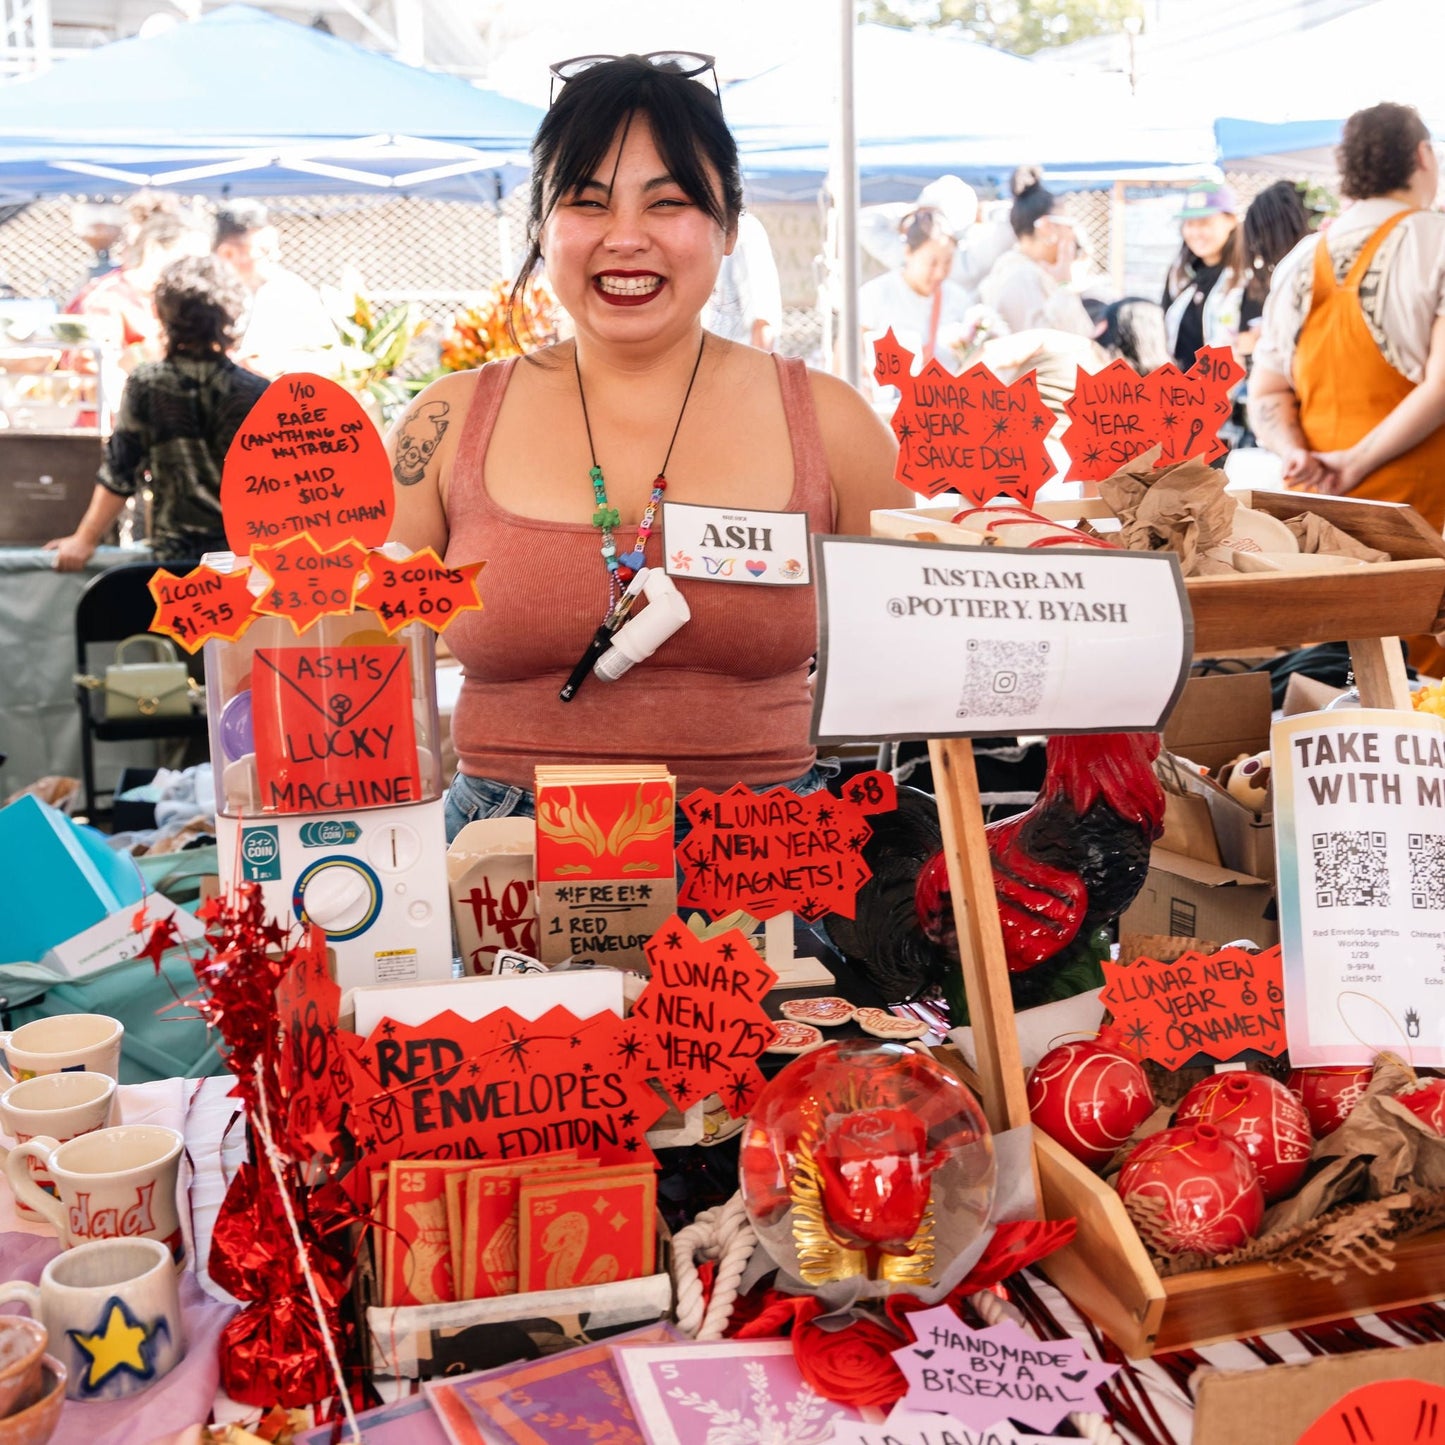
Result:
{"points": [[201, 605], [420, 589], [1403, 1412], [307, 583], [970, 434], [306, 459]]}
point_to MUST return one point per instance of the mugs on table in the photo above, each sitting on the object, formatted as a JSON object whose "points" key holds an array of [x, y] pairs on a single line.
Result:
{"points": [[113, 1312], [22, 1345], [57, 1106], [110, 1184], [61, 1043]]}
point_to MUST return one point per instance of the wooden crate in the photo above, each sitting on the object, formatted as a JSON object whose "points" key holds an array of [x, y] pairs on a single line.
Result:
{"points": [[1106, 1271], [1401, 597]]}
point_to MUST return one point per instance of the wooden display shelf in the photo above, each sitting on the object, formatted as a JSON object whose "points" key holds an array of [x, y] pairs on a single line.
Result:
{"points": [[1401, 597], [1106, 1271]]}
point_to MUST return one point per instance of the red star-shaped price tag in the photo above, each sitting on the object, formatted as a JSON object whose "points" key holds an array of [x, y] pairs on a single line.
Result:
{"points": [[422, 588], [970, 434], [305, 582], [201, 605]]}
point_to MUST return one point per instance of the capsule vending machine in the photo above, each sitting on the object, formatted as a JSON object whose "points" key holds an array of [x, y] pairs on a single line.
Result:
{"points": [[321, 690]]}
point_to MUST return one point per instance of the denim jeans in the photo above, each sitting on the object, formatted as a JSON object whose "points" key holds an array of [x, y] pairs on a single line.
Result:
{"points": [[471, 798]]}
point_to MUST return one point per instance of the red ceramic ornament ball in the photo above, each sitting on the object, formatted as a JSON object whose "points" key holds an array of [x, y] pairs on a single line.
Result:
{"points": [[1329, 1094], [1426, 1100], [1209, 1191], [1089, 1098], [1267, 1121]]}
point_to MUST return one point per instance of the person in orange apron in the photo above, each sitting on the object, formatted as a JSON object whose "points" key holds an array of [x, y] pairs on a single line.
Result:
{"points": [[1364, 428]]}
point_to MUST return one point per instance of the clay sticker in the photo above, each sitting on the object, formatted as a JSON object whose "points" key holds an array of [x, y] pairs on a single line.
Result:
{"points": [[1217, 1005], [421, 588], [982, 1377], [333, 728], [202, 605], [969, 434], [306, 459]]}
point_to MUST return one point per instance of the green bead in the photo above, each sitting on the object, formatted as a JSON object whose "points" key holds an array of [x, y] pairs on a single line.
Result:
{"points": [[596, 473], [606, 517]]}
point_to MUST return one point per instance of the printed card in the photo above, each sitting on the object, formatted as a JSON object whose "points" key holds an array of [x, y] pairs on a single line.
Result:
{"points": [[418, 1250], [588, 1230], [489, 1233]]}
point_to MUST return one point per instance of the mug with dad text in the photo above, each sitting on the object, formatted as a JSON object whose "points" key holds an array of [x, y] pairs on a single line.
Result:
{"points": [[61, 1043], [112, 1184], [113, 1312], [58, 1106]]}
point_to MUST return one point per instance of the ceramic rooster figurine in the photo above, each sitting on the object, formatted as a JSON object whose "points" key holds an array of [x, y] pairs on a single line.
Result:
{"points": [[1062, 870]]}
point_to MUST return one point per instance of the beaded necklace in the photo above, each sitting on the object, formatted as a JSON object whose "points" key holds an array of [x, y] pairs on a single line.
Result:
{"points": [[621, 569]]}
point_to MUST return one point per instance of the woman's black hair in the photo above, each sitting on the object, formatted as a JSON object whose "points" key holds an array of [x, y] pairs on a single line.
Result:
{"points": [[1032, 200], [1275, 223], [687, 126], [923, 225], [199, 301]]}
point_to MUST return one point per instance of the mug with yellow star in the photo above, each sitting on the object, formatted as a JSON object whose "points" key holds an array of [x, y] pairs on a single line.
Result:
{"points": [[113, 1312]]}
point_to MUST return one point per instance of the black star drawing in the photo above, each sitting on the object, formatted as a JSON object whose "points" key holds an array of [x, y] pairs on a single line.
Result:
{"points": [[811, 908], [1000, 426], [388, 1028], [1092, 455], [857, 840], [575, 1042], [629, 1119], [366, 1144], [704, 815], [702, 867], [630, 1145], [644, 890], [1138, 1035], [365, 1061], [1170, 420], [741, 1088], [1037, 422], [727, 951], [629, 1048], [904, 431], [679, 1086], [331, 1031], [673, 939], [474, 1068], [825, 814], [516, 1047], [588, 1068]]}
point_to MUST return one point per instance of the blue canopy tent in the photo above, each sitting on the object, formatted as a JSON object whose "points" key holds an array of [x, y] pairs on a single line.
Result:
{"points": [[241, 100], [930, 103]]}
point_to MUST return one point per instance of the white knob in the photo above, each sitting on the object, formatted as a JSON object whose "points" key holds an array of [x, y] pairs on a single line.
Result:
{"points": [[337, 898]]}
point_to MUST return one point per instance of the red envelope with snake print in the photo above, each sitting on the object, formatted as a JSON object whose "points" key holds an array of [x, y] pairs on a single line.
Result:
{"points": [[586, 1230]]}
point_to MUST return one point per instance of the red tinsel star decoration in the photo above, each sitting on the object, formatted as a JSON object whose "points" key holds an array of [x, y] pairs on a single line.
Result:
{"points": [[164, 935]]}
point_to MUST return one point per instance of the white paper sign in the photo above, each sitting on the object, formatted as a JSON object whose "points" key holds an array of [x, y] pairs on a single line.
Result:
{"points": [[921, 640], [713, 544], [1359, 824], [912, 1427]]}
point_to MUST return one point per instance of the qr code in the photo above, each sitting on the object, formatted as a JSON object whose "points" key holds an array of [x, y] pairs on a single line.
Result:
{"points": [[1427, 870], [1351, 870], [1003, 678]]}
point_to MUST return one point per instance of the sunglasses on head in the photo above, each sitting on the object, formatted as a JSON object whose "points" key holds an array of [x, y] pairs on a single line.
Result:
{"points": [[687, 63]]}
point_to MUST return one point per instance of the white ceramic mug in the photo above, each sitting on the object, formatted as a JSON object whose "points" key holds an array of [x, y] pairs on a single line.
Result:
{"points": [[58, 1106], [61, 1043], [113, 1312], [112, 1183]]}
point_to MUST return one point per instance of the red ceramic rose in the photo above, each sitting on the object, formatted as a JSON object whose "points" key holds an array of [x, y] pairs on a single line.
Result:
{"points": [[875, 1168], [854, 1365]]}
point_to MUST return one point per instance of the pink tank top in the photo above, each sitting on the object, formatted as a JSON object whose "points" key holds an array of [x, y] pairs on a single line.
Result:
{"points": [[725, 700]]}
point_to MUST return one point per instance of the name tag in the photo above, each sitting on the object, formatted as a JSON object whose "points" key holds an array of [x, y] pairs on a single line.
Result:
{"points": [[714, 544]]}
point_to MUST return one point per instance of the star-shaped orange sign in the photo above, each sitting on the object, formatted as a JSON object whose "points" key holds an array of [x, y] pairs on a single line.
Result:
{"points": [[306, 582], [201, 605], [421, 588]]}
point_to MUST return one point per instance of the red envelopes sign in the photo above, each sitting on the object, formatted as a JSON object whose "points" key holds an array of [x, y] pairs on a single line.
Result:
{"points": [[333, 728], [775, 852], [422, 588], [1218, 1005], [501, 1088], [1404, 1412], [201, 605], [1115, 414], [306, 459], [307, 583], [969, 434], [704, 1006]]}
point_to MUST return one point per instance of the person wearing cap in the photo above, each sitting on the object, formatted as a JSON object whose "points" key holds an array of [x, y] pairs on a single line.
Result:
{"points": [[1348, 384], [1205, 286]]}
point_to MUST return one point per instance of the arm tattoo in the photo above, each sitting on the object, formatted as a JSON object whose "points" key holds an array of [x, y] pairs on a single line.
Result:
{"points": [[418, 437], [1275, 420]]}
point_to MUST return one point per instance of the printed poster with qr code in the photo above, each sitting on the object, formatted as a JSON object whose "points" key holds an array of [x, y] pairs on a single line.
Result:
{"points": [[1359, 822], [923, 640]]}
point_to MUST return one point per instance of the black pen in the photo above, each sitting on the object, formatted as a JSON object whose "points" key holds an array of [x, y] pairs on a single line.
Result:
{"points": [[601, 641]]}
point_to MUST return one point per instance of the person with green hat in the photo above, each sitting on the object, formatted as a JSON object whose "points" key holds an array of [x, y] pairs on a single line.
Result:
{"points": [[1205, 286]]}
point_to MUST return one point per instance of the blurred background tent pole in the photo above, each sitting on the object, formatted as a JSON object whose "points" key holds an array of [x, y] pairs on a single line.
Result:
{"points": [[845, 196]]}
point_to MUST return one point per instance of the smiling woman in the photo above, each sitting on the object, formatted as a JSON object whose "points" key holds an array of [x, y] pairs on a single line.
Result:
{"points": [[558, 469]]}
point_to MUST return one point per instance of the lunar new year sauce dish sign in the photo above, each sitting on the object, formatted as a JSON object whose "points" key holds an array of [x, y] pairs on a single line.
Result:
{"points": [[969, 434]]}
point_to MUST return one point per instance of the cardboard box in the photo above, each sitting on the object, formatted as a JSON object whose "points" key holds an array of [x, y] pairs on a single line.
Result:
{"points": [[1189, 898]]}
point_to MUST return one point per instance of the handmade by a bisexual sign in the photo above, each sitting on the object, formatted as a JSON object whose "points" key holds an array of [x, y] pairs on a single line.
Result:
{"points": [[501, 1089], [305, 583], [910, 1427], [1218, 1005], [1358, 798], [704, 1009], [1115, 414], [777, 852], [420, 588], [982, 1377], [201, 605], [971, 434], [306, 459], [333, 728]]}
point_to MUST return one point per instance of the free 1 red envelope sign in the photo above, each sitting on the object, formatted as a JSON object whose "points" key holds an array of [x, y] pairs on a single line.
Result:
{"points": [[922, 640]]}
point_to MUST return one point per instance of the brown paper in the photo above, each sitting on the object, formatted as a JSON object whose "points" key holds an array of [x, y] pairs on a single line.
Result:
{"points": [[1182, 509], [1314, 534]]}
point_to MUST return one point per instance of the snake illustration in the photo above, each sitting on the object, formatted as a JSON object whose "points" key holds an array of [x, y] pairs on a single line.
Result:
{"points": [[564, 1239]]}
